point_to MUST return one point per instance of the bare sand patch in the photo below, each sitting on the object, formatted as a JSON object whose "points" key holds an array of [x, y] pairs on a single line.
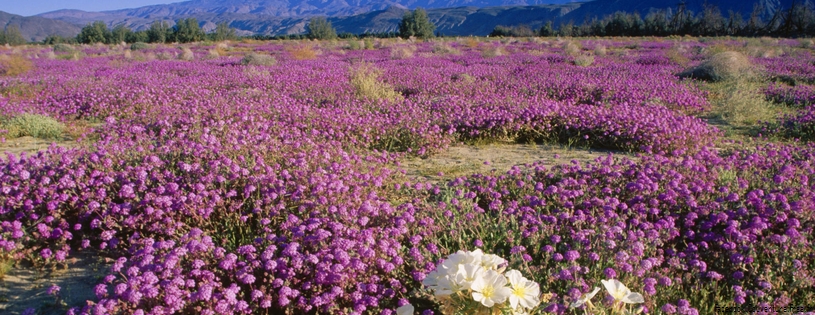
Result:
{"points": [[25, 286], [463, 160], [29, 145]]}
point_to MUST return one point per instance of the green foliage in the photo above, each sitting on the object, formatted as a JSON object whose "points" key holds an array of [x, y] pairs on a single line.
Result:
{"points": [[416, 24], [512, 31], [54, 40], [11, 35], [135, 37], [97, 32], [320, 28], [188, 31], [33, 125], [119, 34], [223, 32], [63, 48], [547, 30], [159, 32]]}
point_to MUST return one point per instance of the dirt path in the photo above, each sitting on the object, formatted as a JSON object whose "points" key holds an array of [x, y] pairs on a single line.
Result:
{"points": [[25, 287], [461, 160], [29, 145]]}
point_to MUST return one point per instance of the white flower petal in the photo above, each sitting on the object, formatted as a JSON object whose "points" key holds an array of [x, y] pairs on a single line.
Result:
{"points": [[616, 288], [633, 298]]}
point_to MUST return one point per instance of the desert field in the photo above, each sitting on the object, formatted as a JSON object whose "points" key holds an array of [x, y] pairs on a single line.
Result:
{"points": [[361, 177]]}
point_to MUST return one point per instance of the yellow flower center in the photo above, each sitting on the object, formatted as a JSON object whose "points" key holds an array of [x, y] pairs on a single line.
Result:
{"points": [[519, 291], [488, 292]]}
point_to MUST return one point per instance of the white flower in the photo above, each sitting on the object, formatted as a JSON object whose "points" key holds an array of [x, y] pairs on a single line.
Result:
{"points": [[406, 309], [524, 292], [585, 298], [453, 262], [491, 262], [431, 279], [490, 289], [445, 287], [467, 274], [621, 293]]}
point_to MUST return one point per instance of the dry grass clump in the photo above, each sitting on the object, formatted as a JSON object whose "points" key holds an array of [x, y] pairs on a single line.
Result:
{"points": [[302, 52], [806, 43], [213, 54], [471, 42], [722, 66], [444, 48], [14, 65], [584, 60], [572, 49], [128, 55], [166, 55], [402, 51], [741, 103], [186, 54], [255, 59], [37, 126], [600, 50], [365, 79], [493, 51]]}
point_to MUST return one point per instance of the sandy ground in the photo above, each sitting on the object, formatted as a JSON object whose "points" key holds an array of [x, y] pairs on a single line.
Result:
{"points": [[25, 287], [462, 160], [29, 145]]}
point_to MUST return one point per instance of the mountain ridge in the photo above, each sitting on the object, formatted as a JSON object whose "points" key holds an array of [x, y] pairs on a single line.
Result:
{"points": [[465, 17]]}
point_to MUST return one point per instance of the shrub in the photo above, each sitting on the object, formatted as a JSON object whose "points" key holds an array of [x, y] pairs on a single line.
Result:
{"points": [[368, 43], [354, 44], [213, 53], [584, 60], [186, 54], [722, 66], [402, 52], [571, 48], [37, 126], [14, 65], [600, 50], [255, 59], [365, 79], [66, 48]]}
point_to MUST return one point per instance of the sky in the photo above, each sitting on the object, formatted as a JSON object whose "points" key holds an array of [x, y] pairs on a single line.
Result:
{"points": [[34, 7]]}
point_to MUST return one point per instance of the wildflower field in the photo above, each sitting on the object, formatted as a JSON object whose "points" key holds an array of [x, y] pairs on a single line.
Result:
{"points": [[267, 177]]}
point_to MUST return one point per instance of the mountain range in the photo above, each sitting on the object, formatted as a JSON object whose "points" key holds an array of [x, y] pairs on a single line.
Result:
{"points": [[452, 17]]}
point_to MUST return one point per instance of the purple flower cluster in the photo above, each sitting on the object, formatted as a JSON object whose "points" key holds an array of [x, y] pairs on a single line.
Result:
{"points": [[226, 189]]}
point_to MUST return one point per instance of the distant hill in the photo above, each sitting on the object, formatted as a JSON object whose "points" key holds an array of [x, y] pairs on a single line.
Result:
{"points": [[452, 17], [35, 28], [601, 8]]}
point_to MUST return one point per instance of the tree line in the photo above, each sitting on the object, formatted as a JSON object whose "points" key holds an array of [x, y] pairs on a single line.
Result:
{"points": [[797, 20], [184, 31]]}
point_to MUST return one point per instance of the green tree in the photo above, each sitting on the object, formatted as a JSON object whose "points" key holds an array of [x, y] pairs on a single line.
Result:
{"points": [[158, 32], [223, 32], [97, 32], [11, 35], [320, 28], [187, 31], [547, 29], [416, 24], [136, 37], [119, 34]]}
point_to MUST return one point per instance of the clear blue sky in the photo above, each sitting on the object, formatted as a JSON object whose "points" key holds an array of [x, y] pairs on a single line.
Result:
{"points": [[33, 7]]}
